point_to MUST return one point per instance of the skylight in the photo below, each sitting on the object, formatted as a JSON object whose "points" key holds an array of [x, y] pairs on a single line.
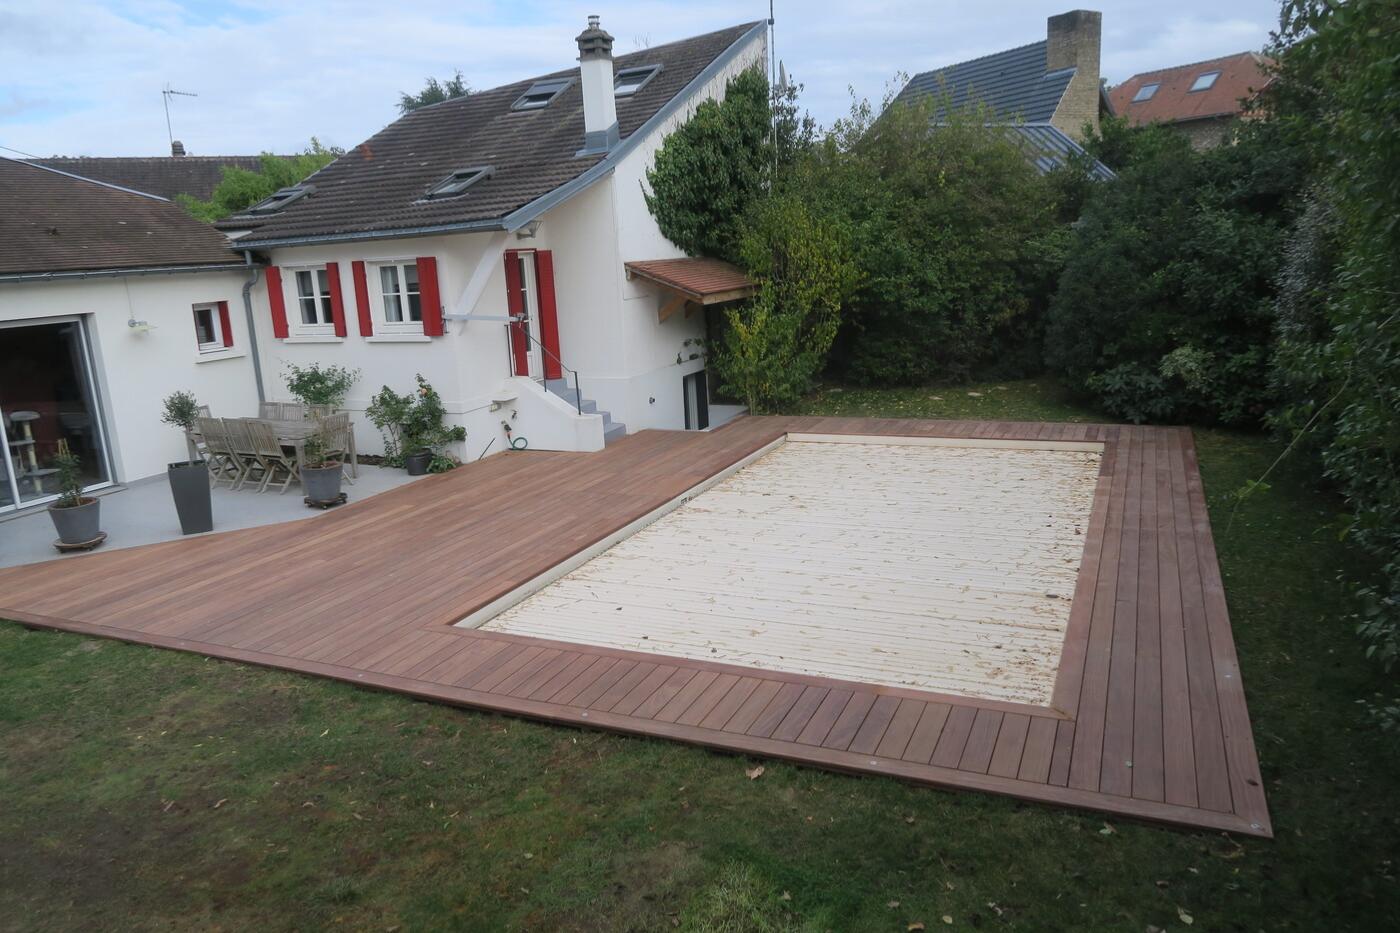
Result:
{"points": [[458, 182], [1145, 93], [280, 199], [541, 93], [1205, 81], [629, 81]]}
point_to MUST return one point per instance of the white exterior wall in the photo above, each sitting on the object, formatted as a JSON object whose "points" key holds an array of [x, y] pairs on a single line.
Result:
{"points": [[134, 371]]}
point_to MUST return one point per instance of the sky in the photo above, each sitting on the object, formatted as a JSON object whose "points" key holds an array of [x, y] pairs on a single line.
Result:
{"points": [[85, 78]]}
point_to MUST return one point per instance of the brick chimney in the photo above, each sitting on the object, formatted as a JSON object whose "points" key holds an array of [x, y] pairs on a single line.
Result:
{"points": [[596, 74], [1072, 41], [177, 149]]}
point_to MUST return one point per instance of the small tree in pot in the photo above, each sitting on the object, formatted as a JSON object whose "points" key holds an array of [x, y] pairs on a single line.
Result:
{"points": [[189, 480], [76, 517], [320, 475], [320, 387], [414, 435]]}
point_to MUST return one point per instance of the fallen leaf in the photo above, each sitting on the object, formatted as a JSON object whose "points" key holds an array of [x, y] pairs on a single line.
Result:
{"points": [[787, 896], [892, 905], [1184, 917], [324, 734], [220, 803], [754, 773], [916, 925], [947, 919], [975, 394], [1107, 830], [908, 819]]}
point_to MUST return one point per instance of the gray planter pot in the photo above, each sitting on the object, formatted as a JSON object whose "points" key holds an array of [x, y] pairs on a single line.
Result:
{"points": [[417, 462], [189, 485], [322, 484], [78, 524]]}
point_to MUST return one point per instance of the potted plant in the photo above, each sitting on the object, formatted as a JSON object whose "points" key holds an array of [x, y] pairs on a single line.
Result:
{"points": [[320, 476], [189, 479], [414, 435], [320, 388], [76, 517]]}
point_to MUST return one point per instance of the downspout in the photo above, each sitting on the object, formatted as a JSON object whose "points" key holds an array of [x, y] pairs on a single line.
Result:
{"points": [[252, 327]]}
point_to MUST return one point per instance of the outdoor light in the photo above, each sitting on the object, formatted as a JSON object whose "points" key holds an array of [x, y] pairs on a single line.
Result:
{"points": [[138, 327]]}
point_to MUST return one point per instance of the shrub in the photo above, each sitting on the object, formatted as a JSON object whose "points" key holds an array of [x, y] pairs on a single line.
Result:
{"points": [[1165, 307], [413, 422], [320, 385], [776, 344]]}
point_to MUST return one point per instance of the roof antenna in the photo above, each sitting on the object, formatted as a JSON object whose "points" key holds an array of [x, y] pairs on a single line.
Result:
{"points": [[166, 93]]}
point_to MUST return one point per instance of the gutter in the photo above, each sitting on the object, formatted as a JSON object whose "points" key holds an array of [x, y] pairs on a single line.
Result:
{"points": [[551, 199], [110, 273], [255, 270]]}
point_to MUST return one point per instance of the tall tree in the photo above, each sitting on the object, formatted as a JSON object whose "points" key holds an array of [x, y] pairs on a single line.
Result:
{"points": [[434, 92]]}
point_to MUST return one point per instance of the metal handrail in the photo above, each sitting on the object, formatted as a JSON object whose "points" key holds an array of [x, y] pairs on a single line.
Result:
{"points": [[578, 389]]}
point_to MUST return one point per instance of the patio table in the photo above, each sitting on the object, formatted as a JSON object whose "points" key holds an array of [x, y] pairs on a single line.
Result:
{"points": [[293, 434]]}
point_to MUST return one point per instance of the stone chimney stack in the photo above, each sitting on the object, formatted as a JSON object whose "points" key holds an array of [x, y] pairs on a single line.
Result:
{"points": [[1072, 41], [177, 149], [599, 104]]}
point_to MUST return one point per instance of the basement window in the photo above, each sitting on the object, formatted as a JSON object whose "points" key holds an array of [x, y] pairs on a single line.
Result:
{"points": [[629, 81], [1204, 82], [541, 93], [1145, 92], [281, 199], [458, 182]]}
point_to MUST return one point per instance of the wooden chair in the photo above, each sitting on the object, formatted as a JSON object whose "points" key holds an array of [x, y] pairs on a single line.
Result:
{"points": [[272, 410], [241, 446], [224, 462], [339, 446], [268, 456], [293, 411], [319, 411]]}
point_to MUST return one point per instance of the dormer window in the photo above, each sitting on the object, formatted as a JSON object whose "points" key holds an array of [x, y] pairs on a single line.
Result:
{"points": [[281, 199], [629, 81], [1145, 93], [1204, 82], [541, 93], [458, 182]]}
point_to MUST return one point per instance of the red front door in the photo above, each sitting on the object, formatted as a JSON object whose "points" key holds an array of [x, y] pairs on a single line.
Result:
{"points": [[534, 334]]}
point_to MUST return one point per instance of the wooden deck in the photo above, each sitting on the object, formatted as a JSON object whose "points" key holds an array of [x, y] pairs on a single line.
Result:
{"points": [[1148, 718]]}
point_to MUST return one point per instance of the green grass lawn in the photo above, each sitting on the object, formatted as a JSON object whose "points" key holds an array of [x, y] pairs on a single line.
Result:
{"points": [[148, 789]]}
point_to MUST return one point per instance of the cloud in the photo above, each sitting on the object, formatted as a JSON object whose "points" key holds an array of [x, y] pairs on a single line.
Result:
{"points": [[85, 77]]}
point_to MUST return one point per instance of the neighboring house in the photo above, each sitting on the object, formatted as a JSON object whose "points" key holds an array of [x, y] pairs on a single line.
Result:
{"points": [[196, 176], [1201, 100], [1044, 93], [110, 299], [484, 242]]}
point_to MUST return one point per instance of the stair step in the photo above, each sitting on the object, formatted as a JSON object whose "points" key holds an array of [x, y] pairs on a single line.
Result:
{"points": [[616, 432]]}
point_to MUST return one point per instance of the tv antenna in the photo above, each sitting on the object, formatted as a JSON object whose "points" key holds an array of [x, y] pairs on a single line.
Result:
{"points": [[166, 93]]}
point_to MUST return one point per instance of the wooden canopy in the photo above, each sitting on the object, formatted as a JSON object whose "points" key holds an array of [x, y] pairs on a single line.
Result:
{"points": [[692, 282]]}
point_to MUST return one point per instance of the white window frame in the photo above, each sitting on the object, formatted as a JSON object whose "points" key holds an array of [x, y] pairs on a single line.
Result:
{"points": [[216, 325], [645, 72], [534, 96], [1197, 87], [382, 323], [325, 326]]}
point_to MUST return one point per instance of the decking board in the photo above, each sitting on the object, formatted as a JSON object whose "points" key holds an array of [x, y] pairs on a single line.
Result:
{"points": [[1148, 718]]}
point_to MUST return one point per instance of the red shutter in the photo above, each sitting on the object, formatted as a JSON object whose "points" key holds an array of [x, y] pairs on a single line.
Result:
{"points": [[549, 317], [428, 296], [515, 306], [224, 327], [337, 299], [357, 272], [275, 302]]}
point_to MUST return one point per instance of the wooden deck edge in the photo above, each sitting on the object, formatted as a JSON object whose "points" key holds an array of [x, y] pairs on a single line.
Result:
{"points": [[831, 759]]}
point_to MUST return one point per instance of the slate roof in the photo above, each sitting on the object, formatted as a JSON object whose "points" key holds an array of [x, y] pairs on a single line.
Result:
{"points": [[700, 279], [1014, 84], [55, 222], [377, 187], [1241, 77], [1048, 147], [165, 176]]}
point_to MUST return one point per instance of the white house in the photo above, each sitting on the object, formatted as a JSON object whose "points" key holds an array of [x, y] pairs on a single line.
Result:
{"points": [[109, 300], [484, 242]]}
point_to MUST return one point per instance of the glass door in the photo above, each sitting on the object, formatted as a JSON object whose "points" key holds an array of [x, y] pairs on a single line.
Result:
{"points": [[47, 397]]}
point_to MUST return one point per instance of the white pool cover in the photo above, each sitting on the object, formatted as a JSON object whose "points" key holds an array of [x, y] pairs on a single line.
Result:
{"points": [[895, 561]]}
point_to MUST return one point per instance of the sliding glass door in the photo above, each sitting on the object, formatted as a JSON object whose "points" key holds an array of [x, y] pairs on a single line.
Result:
{"points": [[47, 398]]}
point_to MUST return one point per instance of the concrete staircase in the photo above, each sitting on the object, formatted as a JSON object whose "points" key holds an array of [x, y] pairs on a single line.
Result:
{"points": [[612, 430]]}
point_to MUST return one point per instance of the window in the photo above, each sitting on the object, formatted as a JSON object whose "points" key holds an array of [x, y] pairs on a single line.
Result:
{"points": [[1145, 93], [209, 328], [629, 81], [401, 308], [314, 301], [458, 182], [541, 93], [280, 199], [1204, 82]]}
